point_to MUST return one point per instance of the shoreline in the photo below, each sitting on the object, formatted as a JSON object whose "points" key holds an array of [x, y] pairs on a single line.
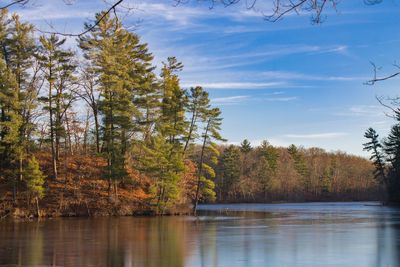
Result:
{"points": [[26, 214]]}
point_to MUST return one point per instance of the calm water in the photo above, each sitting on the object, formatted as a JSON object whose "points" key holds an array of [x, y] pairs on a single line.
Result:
{"points": [[276, 235]]}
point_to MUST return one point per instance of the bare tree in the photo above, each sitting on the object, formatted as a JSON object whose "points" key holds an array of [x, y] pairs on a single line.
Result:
{"points": [[88, 92]]}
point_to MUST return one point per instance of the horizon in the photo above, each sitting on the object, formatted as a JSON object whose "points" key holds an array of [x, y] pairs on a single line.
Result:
{"points": [[289, 82]]}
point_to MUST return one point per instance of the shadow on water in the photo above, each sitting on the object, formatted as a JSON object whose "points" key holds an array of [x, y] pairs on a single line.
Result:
{"points": [[288, 236], [388, 240]]}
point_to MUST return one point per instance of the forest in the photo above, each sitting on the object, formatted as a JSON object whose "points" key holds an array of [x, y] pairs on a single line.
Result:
{"points": [[98, 130]]}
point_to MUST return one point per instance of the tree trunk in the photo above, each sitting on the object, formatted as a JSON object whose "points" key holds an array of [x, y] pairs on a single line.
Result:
{"points": [[53, 149], [191, 128], [97, 130], [85, 137], [68, 132], [37, 206], [196, 200]]}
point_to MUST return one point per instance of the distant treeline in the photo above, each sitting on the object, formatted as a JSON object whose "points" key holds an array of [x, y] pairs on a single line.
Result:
{"points": [[267, 173]]}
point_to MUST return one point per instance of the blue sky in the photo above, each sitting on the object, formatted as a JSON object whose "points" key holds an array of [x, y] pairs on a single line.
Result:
{"points": [[287, 82]]}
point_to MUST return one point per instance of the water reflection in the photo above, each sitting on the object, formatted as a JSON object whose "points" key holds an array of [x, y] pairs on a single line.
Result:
{"points": [[368, 237]]}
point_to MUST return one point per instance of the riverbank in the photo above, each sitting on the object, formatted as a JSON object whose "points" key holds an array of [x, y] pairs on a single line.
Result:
{"points": [[84, 198], [80, 191]]}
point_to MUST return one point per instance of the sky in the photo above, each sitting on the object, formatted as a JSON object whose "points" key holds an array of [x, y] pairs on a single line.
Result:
{"points": [[288, 82]]}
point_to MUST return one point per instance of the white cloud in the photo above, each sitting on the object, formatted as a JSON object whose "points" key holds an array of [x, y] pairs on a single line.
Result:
{"points": [[362, 111], [183, 14], [55, 10], [316, 135], [281, 99], [236, 85], [288, 75], [232, 100], [229, 100]]}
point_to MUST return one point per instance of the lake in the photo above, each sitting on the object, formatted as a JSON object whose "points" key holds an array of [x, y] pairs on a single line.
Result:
{"points": [[362, 234]]}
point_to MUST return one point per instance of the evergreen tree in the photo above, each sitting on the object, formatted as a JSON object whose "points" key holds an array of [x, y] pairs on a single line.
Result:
{"points": [[229, 171], [205, 186], [271, 155], [245, 146], [167, 146], [122, 65], [173, 122], [392, 150], [198, 103], [377, 157], [20, 56], [267, 166], [58, 71], [10, 124], [300, 166], [165, 168], [35, 181]]}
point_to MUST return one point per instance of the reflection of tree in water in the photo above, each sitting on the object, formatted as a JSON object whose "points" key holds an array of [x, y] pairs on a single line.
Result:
{"points": [[243, 238], [147, 242]]}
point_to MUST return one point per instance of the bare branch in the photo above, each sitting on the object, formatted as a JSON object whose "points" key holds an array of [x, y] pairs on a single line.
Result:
{"points": [[282, 9], [94, 25], [15, 2], [376, 79]]}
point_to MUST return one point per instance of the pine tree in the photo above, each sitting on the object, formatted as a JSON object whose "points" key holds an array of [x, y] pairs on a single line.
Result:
{"points": [[271, 155], [392, 150], [19, 53], [166, 146], [229, 174], [300, 166], [205, 186], [122, 65], [10, 124], [245, 146], [58, 71], [377, 157], [165, 168], [35, 181], [198, 103], [267, 166], [173, 123]]}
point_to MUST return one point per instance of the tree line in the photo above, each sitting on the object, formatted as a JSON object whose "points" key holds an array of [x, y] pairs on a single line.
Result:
{"points": [[106, 100], [266, 173]]}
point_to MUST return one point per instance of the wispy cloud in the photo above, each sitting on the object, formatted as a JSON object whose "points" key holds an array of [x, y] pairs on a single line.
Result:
{"points": [[48, 10], [362, 111], [316, 135], [280, 99], [288, 75], [236, 85], [183, 14], [230, 100], [233, 100]]}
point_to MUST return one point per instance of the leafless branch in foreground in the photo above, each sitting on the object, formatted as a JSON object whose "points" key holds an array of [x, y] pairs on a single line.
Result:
{"points": [[393, 102], [13, 3], [379, 79], [92, 26], [286, 7]]}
